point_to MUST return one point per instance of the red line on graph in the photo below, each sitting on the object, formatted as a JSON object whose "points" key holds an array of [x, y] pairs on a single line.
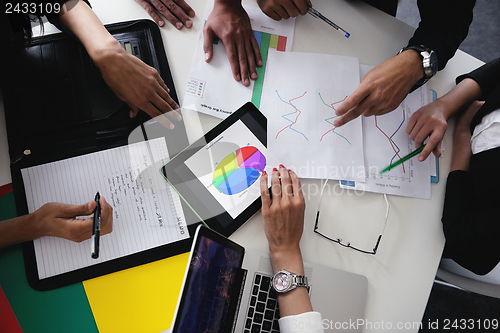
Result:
{"points": [[390, 141], [290, 101], [338, 102]]}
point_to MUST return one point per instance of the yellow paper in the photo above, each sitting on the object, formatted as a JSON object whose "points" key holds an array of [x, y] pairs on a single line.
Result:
{"points": [[139, 299]]}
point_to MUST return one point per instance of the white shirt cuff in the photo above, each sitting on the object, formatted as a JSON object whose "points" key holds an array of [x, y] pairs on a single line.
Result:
{"points": [[307, 322]]}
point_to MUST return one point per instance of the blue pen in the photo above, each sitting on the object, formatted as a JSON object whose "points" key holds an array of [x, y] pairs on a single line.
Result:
{"points": [[314, 13], [96, 228]]}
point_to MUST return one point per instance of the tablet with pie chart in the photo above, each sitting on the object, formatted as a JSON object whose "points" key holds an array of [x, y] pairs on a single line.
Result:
{"points": [[219, 175]]}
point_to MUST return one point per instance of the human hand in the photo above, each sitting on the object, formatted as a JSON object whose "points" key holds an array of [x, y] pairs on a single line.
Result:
{"points": [[283, 214], [137, 84], [59, 220], [428, 121], [383, 88], [230, 22], [177, 12], [278, 9]]}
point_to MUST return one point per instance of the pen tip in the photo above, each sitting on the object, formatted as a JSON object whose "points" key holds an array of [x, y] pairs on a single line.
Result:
{"points": [[347, 35]]}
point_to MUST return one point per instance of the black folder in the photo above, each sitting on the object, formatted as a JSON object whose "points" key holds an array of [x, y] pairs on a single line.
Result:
{"points": [[58, 106]]}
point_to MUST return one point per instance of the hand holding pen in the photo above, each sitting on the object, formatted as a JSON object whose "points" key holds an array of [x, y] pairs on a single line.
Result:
{"points": [[96, 228]]}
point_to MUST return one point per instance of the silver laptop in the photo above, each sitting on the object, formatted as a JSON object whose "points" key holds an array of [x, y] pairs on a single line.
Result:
{"points": [[226, 289]]}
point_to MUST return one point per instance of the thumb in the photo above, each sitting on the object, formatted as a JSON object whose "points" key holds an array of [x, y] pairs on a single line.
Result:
{"points": [[208, 47], [133, 111], [78, 210]]}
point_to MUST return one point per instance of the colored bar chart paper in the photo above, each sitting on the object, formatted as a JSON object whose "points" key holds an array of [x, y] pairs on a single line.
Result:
{"points": [[211, 88]]}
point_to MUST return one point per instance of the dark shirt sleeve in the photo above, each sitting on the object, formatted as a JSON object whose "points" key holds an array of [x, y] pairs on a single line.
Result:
{"points": [[471, 217], [443, 26], [487, 76]]}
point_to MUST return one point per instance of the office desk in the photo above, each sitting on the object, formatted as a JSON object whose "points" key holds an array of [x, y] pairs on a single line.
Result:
{"points": [[401, 274]]}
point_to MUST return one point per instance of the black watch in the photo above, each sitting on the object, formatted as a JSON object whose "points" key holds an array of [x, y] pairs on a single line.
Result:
{"points": [[429, 63]]}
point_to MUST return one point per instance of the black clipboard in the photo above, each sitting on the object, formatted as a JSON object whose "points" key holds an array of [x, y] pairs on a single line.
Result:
{"points": [[58, 107]]}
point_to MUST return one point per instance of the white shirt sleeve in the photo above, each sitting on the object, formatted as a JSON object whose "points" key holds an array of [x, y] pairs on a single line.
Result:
{"points": [[307, 322]]}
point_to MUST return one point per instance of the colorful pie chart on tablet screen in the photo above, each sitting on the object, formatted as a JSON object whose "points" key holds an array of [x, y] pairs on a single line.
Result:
{"points": [[239, 170]]}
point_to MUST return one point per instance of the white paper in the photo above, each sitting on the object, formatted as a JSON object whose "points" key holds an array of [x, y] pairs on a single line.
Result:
{"points": [[300, 95], [211, 88], [146, 211], [386, 141]]}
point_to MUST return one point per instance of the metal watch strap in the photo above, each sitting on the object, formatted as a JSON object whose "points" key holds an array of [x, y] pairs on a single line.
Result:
{"points": [[300, 280]]}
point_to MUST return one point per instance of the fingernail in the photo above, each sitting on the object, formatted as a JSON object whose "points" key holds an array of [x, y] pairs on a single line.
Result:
{"points": [[264, 173], [254, 76], [131, 114], [88, 206], [289, 170], [282, 166], [161, 23], [178, 25], [172, 126], [260, 63], [336, 124], [168, 89], [189, 24], [238, 77], [274, 169], [206, 56], [191, 13], [246, 82], [104, 199]]}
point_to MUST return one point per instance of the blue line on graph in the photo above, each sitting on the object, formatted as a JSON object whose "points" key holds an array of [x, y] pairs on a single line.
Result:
{"points": [[392, 159], [292, 122]]}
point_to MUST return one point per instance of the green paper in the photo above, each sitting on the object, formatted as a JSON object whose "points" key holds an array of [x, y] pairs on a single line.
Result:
{"points": [[61, 310]]}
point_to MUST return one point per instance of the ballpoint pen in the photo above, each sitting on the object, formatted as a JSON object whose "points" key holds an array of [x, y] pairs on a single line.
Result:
{"points": [[405, 158], [316, 14], [96, 228]]}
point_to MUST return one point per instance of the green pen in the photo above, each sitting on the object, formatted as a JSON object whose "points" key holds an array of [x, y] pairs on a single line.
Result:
{"points": [[404, 159]]}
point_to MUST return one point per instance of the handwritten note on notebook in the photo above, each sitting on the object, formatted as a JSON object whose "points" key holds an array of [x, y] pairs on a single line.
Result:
{"points": [[147, 212]]}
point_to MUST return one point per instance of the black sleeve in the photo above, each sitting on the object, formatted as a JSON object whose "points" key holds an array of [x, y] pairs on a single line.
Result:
{"points": [[444, 24], [487, 76], [471, 222]]}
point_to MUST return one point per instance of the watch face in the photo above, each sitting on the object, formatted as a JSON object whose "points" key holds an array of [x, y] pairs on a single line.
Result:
{"points": [[281, 282]]}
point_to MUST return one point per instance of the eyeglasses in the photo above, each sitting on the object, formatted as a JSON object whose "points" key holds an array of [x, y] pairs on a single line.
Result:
{"points": [[340, 241]]}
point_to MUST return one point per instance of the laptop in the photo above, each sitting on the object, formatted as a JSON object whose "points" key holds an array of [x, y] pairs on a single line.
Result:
{"points": [[227, 289]]}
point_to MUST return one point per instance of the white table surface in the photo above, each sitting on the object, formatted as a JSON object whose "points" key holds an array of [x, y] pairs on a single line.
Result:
{"points": [[401, 274]]}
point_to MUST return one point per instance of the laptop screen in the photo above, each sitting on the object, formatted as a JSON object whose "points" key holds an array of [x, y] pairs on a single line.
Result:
{"points": [[211, 280]]}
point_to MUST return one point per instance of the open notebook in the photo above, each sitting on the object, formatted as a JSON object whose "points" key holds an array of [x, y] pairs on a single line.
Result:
{"points": [[146, 211]]}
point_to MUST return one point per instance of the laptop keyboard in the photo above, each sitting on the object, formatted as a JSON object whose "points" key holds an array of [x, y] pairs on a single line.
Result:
{"points": [[263, 312]]}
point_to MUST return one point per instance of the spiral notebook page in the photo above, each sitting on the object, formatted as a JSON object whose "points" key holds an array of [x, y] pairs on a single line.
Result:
{"points": [[147, 212]]}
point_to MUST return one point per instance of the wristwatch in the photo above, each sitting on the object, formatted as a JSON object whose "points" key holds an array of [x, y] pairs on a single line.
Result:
{"points": [[429, 63], [284, 281]]}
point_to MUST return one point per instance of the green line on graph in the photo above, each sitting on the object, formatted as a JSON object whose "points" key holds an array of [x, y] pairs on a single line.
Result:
{"points": [[333, 130], [330, 106], [257, 86]]}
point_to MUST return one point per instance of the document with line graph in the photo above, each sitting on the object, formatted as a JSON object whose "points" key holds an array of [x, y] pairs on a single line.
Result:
{"points": [[300, 95], [385, 142]]}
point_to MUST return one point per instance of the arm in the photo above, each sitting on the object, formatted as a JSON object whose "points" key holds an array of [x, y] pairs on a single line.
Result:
{"points": [[431, 120], [134, 82], [58, 220], [283, 224], [284, 9], [177, 12], [444, 25], [230, 22]]}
